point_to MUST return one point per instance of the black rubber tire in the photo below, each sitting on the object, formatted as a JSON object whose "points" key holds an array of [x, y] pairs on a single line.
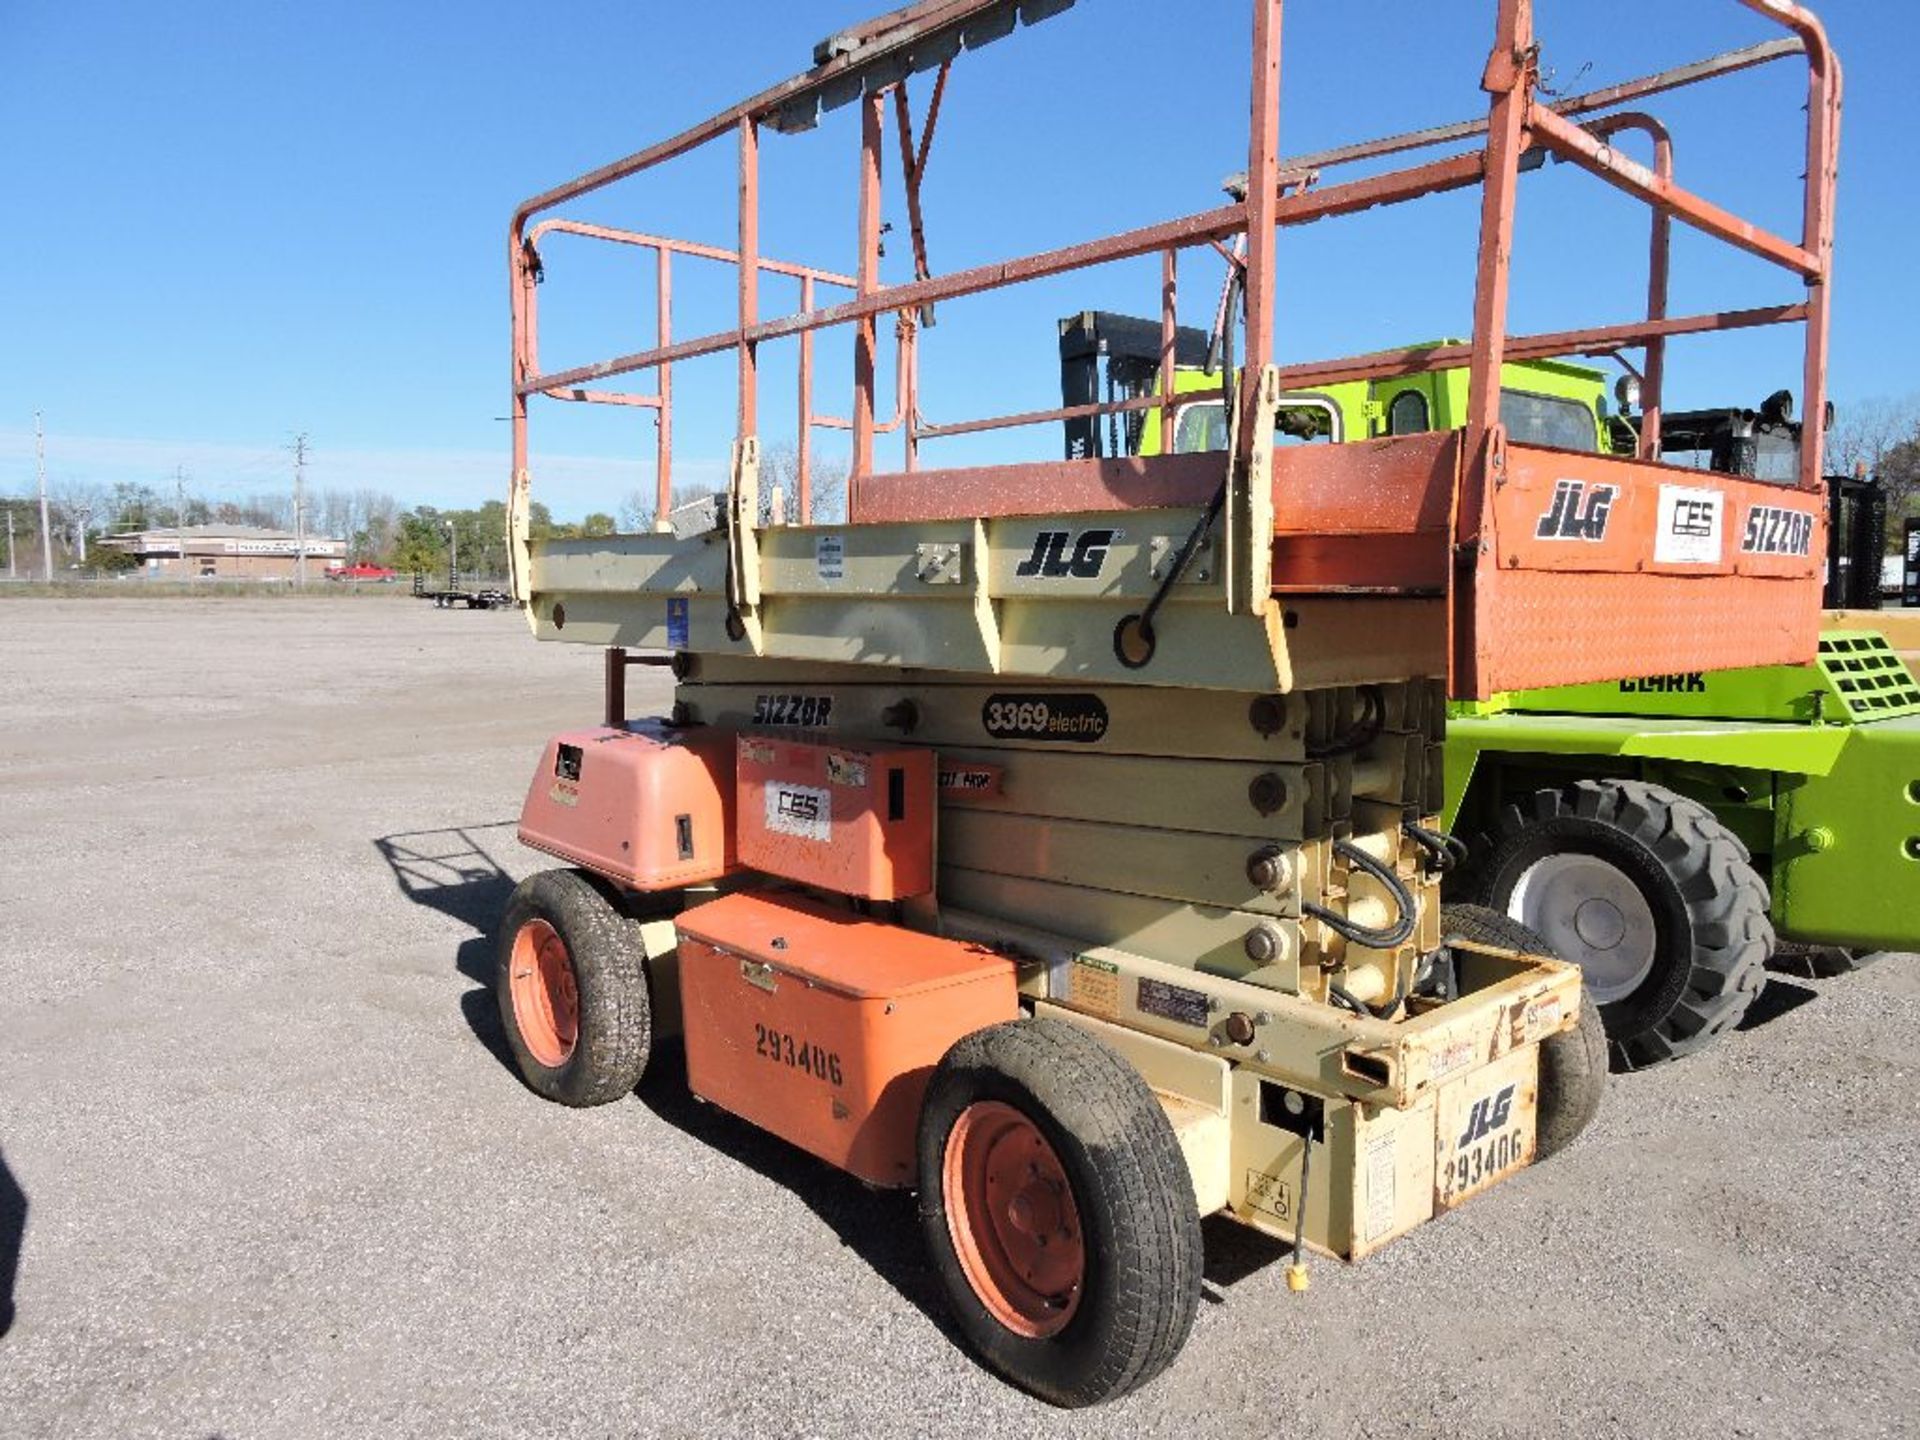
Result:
{"points": [[610, 977], [1135, 1197], [1709, 906], [1573, 1064], [1824, 962]]}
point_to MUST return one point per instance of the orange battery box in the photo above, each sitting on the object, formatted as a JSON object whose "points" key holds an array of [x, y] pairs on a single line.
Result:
{"points": [[822, 1026], [650, 806], [859, 822]]}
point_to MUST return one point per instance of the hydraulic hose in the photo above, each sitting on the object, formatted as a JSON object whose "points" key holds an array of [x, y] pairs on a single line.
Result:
{"points": [[1446, 851], [1365, 935], [1373, 715], [1347, 1000]]}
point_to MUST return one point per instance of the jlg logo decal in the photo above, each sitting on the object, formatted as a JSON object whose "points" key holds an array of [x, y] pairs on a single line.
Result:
{"points": [[1578, 511], [1051, 560], [1488, 1147], [1489, 1113]]}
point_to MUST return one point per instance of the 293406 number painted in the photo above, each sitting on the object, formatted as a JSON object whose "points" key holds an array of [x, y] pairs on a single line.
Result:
{"points": [[1473, 1167], [797, 1053]]}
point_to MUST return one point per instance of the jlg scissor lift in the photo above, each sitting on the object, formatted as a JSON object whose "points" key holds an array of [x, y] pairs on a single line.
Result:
{"points": [[1058, 838]]}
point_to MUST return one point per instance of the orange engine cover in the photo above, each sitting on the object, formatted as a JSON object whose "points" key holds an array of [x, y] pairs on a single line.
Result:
{"points": [[650, 806], [822, 1026], [859, 822]]}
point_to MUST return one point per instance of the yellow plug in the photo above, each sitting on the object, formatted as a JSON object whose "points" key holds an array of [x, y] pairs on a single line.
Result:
{"points": [[1297, 1277]]}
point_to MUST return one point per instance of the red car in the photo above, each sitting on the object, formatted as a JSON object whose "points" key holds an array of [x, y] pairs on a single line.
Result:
{"points": [[362, 572]]}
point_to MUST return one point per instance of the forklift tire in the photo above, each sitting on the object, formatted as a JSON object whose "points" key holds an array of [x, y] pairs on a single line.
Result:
{"points": [[572, 989], [1824, 962], [1673, 938], [1573, 1064], [1058, 1211]]}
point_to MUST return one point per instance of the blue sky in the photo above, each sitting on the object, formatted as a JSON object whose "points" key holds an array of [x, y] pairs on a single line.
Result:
{"points": [[227, 222]]}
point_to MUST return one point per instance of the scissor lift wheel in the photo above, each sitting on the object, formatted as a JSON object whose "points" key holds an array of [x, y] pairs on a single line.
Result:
{"points": [[1058, 1211], [572, 987]]}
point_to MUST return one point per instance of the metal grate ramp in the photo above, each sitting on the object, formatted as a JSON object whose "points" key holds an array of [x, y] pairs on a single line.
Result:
{"points": [[1869, 677]]}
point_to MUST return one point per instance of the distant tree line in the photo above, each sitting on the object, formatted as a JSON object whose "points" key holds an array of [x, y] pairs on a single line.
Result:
{"points": [[779, 477], [376, 529], [1880, 436]]}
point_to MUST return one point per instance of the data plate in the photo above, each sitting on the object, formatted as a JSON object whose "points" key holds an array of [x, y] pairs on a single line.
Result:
{"points": [[1172, 1002]]}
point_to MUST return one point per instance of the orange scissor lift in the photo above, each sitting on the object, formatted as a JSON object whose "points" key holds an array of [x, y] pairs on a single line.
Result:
{"points": [[1058, 838]]}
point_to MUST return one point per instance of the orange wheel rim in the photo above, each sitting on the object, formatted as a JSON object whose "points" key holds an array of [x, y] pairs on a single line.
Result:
{"points": [[1011, 1213], [546, 1006]]}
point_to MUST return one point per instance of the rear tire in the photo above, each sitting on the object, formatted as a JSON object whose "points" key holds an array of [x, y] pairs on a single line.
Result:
{"points": [[1651, 896], [1058, 1211], [572, 988], [1825, 962], [1573, 1064]]}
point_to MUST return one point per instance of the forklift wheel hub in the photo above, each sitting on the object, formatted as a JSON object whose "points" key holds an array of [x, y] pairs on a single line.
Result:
{"points": [[1015, 1227], [546, 1005], [1593, 914]]}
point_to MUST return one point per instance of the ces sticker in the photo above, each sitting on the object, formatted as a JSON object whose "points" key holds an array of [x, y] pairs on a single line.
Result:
{"points": [[803, 811], [1688, 531]]}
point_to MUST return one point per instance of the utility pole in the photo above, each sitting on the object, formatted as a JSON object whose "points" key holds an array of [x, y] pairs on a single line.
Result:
{"points": [[180, 516], [46, 528], [300, 507], [10, 569]]}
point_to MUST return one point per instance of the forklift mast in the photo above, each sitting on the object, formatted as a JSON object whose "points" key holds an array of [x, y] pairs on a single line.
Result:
{"points": [[1856, 542], [1131, 348]]}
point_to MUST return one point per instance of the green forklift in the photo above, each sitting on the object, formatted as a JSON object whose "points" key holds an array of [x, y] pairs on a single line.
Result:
{"points": [[1669, 832]]}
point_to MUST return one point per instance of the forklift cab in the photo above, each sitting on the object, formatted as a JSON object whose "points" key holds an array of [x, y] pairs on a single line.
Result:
{"points": [[1109, 358]]}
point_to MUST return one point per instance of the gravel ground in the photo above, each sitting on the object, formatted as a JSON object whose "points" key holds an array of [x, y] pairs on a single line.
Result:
{"points": [[279, 1182]]}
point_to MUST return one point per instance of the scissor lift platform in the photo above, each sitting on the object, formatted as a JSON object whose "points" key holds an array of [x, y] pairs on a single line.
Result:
{"points": [[1351, 586]]}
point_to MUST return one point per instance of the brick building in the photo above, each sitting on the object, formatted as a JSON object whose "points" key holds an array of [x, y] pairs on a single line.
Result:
{"points": [[227, 552]]}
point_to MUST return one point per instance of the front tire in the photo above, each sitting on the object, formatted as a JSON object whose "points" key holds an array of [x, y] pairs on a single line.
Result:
{"points": [[1651, 896], [1828, 962], [1058, 1211], [572, 989]]}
